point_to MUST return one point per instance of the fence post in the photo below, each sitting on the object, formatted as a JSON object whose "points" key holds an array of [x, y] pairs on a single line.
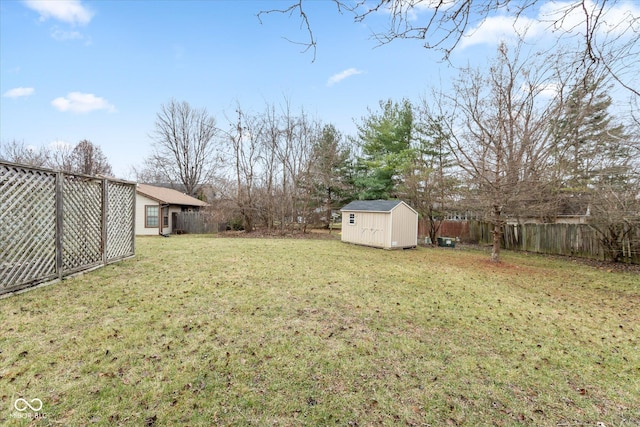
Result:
{"points": [[133, 212], [59, 222], [105, 206]]}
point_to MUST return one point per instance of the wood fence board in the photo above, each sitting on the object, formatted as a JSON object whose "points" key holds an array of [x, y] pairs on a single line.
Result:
{"points": [[196, 223], [578, 240]]}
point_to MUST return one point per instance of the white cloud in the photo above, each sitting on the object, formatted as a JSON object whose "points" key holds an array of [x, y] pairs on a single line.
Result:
{"points": [[550, 90], [62, 35], [497, 28], [78, 102], [19, 92], [69, 11], [60, 145], [337, 78], [546, 90], [411, 10], [568, 17], [553, 16]]}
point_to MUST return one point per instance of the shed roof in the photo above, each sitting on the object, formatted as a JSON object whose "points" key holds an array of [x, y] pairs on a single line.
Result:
{"points": [[372, 205], [168, 196]]}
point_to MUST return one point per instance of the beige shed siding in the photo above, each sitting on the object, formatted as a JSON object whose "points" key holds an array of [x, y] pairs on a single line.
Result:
{"points": [[369, 228], [349, 232], [404, 227], [372, 228], [397, 228]]}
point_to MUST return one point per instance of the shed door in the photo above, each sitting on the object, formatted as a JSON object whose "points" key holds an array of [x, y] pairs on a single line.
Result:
{"points": [[372, 229]]}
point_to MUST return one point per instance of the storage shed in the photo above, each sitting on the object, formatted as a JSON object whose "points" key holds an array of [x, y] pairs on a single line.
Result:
{"points": [[389, 224]]}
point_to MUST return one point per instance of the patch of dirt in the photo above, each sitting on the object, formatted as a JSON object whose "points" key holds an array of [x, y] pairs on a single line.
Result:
{"points": [[314, 234], [619, 267]]}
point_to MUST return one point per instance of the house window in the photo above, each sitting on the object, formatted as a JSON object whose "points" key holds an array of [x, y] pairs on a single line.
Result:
{"points": [[165, 217], [352, 219], [151, 216]]}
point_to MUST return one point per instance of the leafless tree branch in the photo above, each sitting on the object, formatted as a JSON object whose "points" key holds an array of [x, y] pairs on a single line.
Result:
{"points": [[442, 25]]}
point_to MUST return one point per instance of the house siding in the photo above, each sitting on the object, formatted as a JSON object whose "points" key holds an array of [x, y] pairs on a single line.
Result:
{"points": [[141, 202]]}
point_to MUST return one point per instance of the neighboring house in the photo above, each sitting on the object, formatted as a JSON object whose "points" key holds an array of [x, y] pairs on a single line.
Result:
{"points": [[203, 192], [389, 224], [158, 207], [570, 210]]}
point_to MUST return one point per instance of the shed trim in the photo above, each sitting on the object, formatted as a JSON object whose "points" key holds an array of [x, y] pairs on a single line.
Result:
{"points": [[379, 206]]}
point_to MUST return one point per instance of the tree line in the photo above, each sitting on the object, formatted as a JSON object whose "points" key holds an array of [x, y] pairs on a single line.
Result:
{"points": [[84, 158], [526, 138]]}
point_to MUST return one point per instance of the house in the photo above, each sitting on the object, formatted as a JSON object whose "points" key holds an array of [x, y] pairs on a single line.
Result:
{"points": [[389, 224], [571, 209], [157, 208]]}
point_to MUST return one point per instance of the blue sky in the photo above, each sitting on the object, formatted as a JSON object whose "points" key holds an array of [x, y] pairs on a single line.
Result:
{"points": [[100, 70]]}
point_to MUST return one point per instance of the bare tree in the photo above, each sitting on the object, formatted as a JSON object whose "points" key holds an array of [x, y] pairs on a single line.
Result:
{"points": [[85, 158], [293, 149], [18, 152], [61, 158], [271, 167], [499, 135], [299, 167], [615, 215], [269, 159], [88, 159], [245, 153], [286, 144], [184, 147], [441, 26], [597, 159], [148, 173]]}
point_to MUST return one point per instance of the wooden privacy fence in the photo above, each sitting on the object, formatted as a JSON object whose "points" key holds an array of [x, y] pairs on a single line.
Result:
{"points": [[53, 224], [200, 222], [557, 239]]}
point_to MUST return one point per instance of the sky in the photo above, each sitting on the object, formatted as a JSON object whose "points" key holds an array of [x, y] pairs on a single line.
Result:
{"points": [[100, 70]]}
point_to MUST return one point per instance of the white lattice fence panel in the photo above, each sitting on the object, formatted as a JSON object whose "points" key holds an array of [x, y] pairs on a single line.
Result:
{"points": [[53, 224], [81, 223], [27, 226], [120, 220]]}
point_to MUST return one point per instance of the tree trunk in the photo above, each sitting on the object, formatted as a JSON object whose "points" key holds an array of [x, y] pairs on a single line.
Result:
{"points": [[328, 209], [434, 225], [497, 233]]}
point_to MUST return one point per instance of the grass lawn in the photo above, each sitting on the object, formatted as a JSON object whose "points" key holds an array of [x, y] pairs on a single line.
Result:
{"points": [[205, 331]]}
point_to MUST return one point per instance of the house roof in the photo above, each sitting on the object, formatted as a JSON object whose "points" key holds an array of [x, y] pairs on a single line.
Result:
{"points": [[168, 196], [372, 205]]}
